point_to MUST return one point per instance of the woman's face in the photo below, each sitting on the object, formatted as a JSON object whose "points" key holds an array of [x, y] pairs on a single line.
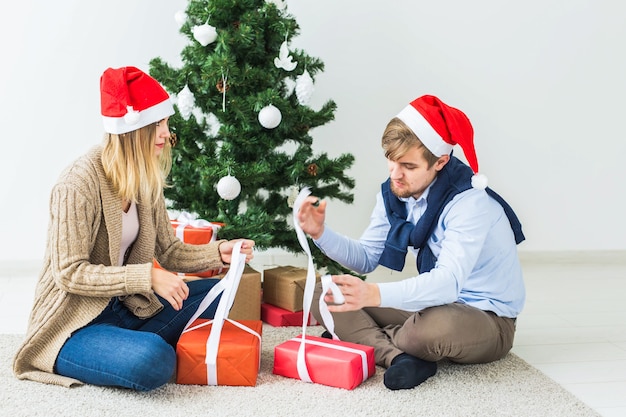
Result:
{"points": [[162, 135]]}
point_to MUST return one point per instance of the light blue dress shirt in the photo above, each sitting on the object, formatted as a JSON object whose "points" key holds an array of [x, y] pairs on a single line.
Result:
{"points": [[477, 261]]}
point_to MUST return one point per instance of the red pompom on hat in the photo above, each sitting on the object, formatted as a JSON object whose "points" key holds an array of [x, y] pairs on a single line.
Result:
{"points": [[131, 99], [440, 127]]}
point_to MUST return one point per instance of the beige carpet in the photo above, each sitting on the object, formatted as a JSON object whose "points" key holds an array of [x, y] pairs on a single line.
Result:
{"points": [[509, 387]]}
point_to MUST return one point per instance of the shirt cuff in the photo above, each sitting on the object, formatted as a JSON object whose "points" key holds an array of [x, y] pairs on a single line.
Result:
{"points": [[390, 294], [327, 236]]}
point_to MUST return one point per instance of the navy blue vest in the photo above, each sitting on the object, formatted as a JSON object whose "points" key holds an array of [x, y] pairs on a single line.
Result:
{"points": [[454, 178]]}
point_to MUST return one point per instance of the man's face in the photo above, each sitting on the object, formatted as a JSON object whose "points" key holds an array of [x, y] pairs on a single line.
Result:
{"points": [[410, 174]]}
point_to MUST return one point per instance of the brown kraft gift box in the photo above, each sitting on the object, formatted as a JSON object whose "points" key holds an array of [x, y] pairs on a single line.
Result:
{"points": [[247, 305], [283, 287]]}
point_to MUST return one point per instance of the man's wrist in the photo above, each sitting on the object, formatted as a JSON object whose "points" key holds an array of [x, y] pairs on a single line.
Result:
{"points": [[373, 295], [318, 235]]}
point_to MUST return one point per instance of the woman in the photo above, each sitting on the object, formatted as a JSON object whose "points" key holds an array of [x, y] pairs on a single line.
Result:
{"points": [[102, 314]]}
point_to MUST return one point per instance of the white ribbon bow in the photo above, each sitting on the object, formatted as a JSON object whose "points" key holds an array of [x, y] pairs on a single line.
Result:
{"points": [[187, 219]]}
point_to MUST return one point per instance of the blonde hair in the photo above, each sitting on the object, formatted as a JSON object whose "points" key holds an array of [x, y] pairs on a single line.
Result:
{"points": [[398, 139], [131, 165]]}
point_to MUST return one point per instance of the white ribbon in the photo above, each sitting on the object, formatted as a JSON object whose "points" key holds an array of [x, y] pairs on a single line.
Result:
{"points": [[327, 318], [309, 288], [227, 286]]}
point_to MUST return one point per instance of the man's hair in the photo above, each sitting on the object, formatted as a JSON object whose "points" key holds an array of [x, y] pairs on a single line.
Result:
{"points": [[398, 139], [131, 165]]}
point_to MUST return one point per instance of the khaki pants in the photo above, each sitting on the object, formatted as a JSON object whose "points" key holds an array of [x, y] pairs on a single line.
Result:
{"points": [[455, 331]]}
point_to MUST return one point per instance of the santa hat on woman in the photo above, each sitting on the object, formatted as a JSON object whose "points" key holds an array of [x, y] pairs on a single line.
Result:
{"points": [[440, 127], [131, 99]]}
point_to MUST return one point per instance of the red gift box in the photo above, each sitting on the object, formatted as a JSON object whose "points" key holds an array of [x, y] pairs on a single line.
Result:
{"points": [[195, 232], [329, 362], [220, 351], [238, 355], [279, 317]]}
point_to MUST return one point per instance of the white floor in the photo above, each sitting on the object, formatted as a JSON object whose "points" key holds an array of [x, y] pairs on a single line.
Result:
{"points": [[573, 327]]}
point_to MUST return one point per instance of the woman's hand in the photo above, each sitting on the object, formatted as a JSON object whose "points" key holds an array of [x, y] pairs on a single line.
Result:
{"points": [[311, 216], [170, 286], [357, 293], [226, 249]]}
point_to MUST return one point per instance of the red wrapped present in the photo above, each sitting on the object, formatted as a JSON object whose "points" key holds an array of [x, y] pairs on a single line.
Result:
{"points": [[279, 317], [238, 354], [196, 232], [328, 362], [220, 351]]}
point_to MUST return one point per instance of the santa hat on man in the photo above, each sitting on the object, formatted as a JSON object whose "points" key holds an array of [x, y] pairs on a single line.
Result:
{"points": [[131, 99], [440, 127]]}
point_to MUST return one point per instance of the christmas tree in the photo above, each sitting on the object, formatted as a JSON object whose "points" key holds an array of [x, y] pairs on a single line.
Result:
{"points": [[243, 123]]}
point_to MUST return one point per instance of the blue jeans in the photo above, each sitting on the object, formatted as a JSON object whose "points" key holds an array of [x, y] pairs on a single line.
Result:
{"points": [[119, 349]]}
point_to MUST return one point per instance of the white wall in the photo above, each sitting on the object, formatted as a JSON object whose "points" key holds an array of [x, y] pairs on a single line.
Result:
{"points": [[542, 81]]}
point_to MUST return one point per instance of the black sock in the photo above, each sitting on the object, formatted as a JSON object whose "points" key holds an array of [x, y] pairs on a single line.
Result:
{"points": [[326, 335], [407, 372]]}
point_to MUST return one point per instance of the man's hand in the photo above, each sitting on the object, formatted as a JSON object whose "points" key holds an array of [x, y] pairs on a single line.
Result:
{"points": [[357, 293], [311, 216]]}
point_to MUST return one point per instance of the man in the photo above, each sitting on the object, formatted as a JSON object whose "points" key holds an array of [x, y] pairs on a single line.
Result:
{"points": [[463, 304]]}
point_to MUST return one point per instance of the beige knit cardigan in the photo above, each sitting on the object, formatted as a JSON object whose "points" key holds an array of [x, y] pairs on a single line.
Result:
{"points": [[77, 280]]}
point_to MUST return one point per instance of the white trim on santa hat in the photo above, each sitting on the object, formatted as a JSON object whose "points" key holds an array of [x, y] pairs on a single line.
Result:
{"points": [[119, 125], [424, 131]]}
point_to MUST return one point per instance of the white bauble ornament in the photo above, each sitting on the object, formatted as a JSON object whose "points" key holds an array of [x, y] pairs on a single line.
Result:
{"points": [[180, 17], [228, 187], [270, 117], [304, 88], [186, 102], [204, 34]]}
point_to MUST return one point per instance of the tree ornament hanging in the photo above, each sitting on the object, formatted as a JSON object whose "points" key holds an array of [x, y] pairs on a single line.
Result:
{"points": [[304, 88], [293, 195], [223, 86], [186, 102], [312, 169], [180, 17], [270, 116], [204, 34], [284, 60], [228, 187]]}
